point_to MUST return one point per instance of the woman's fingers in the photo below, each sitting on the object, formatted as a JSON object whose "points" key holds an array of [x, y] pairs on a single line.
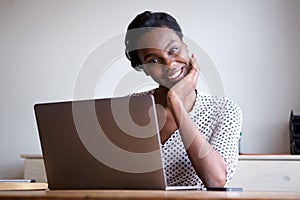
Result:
{"points": [[192, 76]]}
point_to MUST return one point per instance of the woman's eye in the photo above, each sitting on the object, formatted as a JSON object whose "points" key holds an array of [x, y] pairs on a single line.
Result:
{"points": [[154, 60], [174, 50]]}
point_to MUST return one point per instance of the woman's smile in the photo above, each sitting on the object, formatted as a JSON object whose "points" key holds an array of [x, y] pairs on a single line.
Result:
{"points": [[177, 74]]}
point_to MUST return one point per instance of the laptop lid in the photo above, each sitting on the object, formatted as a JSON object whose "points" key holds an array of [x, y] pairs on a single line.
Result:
{"points": [[108, 143]]}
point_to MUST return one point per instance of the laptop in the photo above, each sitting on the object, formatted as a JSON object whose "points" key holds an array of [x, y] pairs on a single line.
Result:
{"points": [[110, 143]]}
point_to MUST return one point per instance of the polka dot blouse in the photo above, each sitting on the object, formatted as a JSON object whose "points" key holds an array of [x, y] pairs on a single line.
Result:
{"points": [[220, 121]]}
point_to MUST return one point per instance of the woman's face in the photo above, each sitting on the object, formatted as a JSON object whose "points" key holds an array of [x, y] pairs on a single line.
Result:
{"points": [[164, 56]]}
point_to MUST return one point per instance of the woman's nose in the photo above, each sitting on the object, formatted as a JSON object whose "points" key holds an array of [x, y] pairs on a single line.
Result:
{"points": [[169, 62]]}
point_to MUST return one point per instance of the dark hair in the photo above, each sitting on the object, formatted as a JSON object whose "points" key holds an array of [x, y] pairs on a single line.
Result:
{"points": [[146, 20]]}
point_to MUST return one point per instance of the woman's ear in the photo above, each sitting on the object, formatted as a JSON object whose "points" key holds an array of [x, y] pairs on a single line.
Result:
{"points": [[141, 68]]}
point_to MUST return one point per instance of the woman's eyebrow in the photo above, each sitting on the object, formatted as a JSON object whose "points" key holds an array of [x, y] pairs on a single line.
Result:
{"points": [[170, 43], [149, 55], [166, 47]]}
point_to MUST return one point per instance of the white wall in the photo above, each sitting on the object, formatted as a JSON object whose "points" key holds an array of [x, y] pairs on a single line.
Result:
{"points": [[254, 44]]}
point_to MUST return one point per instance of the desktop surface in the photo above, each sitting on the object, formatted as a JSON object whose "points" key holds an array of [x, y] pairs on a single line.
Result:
{"points": [[145, 194]]}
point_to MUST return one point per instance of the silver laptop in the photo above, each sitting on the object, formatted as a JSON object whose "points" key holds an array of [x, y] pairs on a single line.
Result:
{"points": [[108, 143]]}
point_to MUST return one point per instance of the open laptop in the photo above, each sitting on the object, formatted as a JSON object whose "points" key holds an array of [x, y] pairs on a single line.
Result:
{"points": [[108, 143]]}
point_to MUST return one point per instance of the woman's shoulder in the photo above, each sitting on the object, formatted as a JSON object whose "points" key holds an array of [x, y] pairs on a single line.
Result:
{"points": [[148, 92], [209, 97], [216, 102]]}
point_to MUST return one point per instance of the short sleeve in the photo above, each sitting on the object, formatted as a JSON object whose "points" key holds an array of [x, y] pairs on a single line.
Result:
{"points": [[226, 134]]}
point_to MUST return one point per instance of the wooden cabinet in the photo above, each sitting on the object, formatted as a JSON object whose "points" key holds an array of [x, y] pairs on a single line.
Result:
{"points": [[267, 173], [254, 172], [34, 168]]}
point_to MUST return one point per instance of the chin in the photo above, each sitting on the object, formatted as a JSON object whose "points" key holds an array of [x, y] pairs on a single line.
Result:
{"points": [[169, 85]]}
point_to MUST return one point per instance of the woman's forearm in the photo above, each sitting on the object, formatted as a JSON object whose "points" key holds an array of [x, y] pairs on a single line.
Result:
{"points": [[208, 163], [211, 168]]}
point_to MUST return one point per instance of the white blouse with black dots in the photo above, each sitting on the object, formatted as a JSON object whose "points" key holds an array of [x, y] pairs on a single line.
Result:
{"points": [[220, 120]]}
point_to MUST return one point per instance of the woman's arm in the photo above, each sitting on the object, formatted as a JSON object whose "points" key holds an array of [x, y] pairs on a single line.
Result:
{"points": [[208, 163]]}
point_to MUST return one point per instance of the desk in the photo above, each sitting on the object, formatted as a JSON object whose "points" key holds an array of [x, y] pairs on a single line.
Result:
{"points": [[145, 194]]}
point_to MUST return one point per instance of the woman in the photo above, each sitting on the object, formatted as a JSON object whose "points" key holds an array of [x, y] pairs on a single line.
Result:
{"points": [[201, 132]]}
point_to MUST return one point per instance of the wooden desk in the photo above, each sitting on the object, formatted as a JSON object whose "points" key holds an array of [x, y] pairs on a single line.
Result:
{"points": [[145, 194]]}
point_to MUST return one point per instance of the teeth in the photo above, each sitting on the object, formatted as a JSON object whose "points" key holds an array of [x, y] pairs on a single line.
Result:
{"points": [[176, 74]]}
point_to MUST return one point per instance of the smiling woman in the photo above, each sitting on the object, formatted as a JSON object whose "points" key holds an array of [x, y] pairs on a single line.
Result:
{"points": [[169, 51], [201, 132]]}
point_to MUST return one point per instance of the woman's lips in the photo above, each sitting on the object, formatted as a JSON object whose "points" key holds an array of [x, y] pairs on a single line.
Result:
{"points": [[176, 74]]}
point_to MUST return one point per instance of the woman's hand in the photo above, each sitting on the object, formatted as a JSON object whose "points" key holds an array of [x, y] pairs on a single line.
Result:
{"points": [[188, 84], [181, 97], [184, 90]]}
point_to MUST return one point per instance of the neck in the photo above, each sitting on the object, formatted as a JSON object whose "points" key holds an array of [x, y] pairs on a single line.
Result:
{"points": [[160, 95]]}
